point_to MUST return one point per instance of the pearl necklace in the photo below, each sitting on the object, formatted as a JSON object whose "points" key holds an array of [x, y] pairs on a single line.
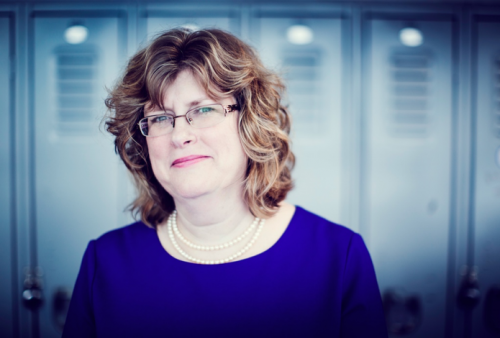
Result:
{"points": [[172, 224], [214, 247]]}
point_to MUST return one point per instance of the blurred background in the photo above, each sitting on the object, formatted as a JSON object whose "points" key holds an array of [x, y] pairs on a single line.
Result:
{"points": [[396, 111]]}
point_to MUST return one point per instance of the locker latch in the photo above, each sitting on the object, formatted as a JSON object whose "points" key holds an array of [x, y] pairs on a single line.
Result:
{"points": [[32, 288], [468, 293]]}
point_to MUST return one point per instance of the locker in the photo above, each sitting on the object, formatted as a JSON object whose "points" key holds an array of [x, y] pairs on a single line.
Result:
{"points": [[6, 178], [486, 203], [79, 186], [313, 75], [407, 169]]}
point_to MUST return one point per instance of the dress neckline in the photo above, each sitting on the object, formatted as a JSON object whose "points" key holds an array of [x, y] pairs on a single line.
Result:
{"points": [[280, 242]]}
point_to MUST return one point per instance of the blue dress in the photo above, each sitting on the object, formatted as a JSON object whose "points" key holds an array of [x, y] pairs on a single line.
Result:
{"points": [[316, 281]]}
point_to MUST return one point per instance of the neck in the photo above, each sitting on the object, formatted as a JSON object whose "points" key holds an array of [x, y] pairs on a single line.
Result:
{"points": [[210, 219]]}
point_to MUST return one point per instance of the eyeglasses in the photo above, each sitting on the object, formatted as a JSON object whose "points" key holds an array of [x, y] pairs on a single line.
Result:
{"points": [[199, 117]]}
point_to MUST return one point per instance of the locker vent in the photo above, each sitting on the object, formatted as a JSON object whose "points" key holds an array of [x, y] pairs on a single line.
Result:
{"points": [[410, 77], [76, 69], [496, 96], [303, 75]]}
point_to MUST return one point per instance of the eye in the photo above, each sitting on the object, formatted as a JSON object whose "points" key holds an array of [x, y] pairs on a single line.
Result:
{"points": [[204, 110], [161, 119]]}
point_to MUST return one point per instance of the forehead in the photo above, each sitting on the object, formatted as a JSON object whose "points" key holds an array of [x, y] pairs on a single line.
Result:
{"points": [[184, 92]]}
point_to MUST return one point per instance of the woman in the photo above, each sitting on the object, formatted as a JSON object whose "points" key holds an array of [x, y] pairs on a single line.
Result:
{"points": [[217, 253]]}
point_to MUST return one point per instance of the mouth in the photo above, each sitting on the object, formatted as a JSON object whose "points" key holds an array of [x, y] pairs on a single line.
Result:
{"points": [[188, 160]]}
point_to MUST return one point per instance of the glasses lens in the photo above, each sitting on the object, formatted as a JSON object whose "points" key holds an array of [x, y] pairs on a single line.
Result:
{"points": [[143, 124], [206, 116], [157, 125]]}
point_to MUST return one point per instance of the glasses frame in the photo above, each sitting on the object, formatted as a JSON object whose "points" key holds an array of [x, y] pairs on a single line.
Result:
{"points": [[227, 109]]}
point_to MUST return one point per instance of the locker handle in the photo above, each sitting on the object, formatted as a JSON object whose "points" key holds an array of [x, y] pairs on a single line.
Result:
{"points": [[33, 285], [468, 293], [403, 315]]}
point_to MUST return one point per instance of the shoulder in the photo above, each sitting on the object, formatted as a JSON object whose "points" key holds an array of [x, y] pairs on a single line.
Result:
{"points": [[333, 240], [308, 222], [123, 241], [315, 238], [135, 229], [343, 253]]}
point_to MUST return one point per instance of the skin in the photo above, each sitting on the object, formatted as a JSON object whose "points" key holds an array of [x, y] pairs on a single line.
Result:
{"points": [[208, 193]]}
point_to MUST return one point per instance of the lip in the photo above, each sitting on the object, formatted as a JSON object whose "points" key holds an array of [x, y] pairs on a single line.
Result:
{"points": [[188, 160]]}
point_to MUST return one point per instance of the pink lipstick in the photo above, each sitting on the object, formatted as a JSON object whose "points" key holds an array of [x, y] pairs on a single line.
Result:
{"points": [[188, 160]]}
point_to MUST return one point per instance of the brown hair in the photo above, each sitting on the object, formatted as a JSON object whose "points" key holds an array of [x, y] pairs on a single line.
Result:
{"points": [[223, 64]]}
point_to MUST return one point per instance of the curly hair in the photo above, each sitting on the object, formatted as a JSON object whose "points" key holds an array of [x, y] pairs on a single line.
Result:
{"points": [[223, 64]]}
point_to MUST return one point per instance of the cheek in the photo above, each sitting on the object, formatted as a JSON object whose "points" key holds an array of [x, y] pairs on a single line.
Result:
{"points": [[156, 146], [156, 150], [235, 155]]}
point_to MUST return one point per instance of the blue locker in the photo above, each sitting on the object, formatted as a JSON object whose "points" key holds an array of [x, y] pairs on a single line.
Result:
{"points": [[485, 208], [6, 178], [80, 187], [407, 168], [312, 70]]}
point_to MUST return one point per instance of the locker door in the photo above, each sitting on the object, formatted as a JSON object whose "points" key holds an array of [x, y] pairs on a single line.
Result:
{"points": [[79, 184], [408, 169], [486, 207], [158, 20], [312, 72], [6, 178]]}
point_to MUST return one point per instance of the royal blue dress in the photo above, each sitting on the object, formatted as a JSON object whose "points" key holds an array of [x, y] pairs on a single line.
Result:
{"points": [[316, 281]]}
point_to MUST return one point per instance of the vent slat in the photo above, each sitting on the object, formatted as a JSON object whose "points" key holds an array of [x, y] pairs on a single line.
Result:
{"points": [[410, 104], [302, 72], [411, 118], [411, 90], [410, 61], [76, 60], [411, 76], [75, 74], [84, 115], [308, 61], [73, 101]]}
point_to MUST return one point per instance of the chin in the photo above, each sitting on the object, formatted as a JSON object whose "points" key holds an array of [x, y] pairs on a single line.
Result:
{"points": [[188, 191]]}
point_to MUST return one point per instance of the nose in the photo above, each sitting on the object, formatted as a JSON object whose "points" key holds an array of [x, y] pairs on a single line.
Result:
{"points": [[185, 116], [183, 133]]}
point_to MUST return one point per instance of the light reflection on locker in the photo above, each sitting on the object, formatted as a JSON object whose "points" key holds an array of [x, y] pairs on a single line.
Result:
{"points": [[78, 180], [486, 205], [407, 168], [312, 74]]}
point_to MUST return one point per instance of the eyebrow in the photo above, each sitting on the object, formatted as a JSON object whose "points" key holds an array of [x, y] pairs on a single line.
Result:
{"points": [[198, 101], [190, 105]]}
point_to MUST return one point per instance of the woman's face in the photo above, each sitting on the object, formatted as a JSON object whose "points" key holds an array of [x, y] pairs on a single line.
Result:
{"points": [[192, 162]]}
